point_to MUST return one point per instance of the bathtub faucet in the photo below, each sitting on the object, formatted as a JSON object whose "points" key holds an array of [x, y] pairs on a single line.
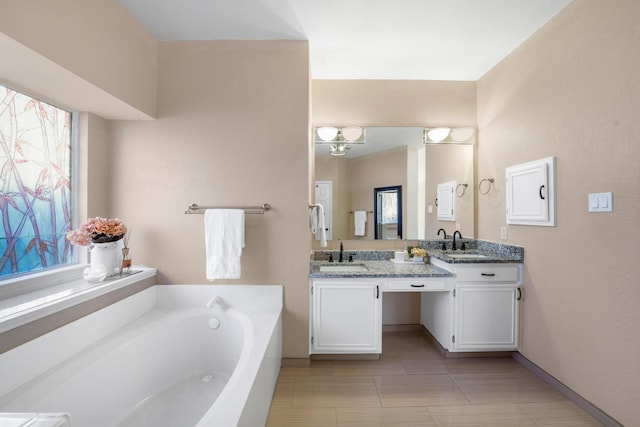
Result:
{"points": [[217, 302]]}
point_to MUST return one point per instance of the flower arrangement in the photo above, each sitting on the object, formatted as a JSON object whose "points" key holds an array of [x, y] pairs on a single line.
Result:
{"points": [[97, 230], [419, 252]]}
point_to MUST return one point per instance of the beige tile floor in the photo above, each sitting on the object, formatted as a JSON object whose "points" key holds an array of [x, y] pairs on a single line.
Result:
{"points": [[413, 385]]}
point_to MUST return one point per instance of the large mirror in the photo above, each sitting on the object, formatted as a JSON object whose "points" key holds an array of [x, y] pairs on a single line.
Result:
{"points": [[395, 162]]}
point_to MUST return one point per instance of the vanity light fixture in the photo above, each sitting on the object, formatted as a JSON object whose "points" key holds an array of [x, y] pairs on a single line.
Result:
{"points": [[339, 139], [443, 135], [327, 133], [438, 134], [462, 134], [333, 135], [352, 133]]}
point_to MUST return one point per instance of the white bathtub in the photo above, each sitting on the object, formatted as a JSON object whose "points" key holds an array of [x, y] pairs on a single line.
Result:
{"points": [[158, 358]]}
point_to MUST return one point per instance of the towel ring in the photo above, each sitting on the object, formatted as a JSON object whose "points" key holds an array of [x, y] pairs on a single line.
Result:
{"points": [[489, 182], [464, 188]]}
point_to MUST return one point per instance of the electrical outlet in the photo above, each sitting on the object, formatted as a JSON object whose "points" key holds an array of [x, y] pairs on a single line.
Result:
{"points": [[503, 232]]}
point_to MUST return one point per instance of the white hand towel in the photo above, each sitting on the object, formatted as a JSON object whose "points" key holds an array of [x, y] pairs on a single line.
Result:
{"points": [[319, 227], [360, 221], [313, 222], [224, 240]]}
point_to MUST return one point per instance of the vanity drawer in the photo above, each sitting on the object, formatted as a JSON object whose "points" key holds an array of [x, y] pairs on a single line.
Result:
{"points": [[489, 273], [418, 285]]}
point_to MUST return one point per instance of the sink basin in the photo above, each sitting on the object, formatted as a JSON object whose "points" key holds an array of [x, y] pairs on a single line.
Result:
{"points": [[467, 256], [343, 268]]}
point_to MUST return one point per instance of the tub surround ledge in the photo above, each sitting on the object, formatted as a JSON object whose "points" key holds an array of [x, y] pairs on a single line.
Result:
{"points": [[30, 315]]}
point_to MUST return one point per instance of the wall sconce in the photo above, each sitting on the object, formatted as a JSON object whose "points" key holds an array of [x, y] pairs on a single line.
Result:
{"points": [[339, 139], [442, 135]]}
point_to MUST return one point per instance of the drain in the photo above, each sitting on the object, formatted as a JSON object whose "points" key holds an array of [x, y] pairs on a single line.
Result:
{"points": [[207, 378], [214, 323]]}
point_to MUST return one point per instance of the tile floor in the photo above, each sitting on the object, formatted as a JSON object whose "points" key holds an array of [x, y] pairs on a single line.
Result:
{"points": [[413, 385]]}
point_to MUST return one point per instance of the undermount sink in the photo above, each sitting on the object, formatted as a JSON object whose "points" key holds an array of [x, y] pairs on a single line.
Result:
{"points": [[467, 256], [343, 268]]}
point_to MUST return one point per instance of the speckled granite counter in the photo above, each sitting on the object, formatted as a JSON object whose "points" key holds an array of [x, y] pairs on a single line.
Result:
{"points": [[378, 268], [379, 265], [487, 257], [492, 252]]}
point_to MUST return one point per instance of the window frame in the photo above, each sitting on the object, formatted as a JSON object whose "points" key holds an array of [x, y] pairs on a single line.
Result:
{"points": [[23, 283]]}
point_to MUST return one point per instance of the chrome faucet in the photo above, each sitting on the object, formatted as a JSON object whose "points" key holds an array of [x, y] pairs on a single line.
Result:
{"points": [[217, 302], [340, 257], [444, 244], [453, 247]]}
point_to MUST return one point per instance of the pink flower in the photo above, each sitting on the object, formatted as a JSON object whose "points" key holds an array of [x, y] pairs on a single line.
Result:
{"points": [[97, 230]]}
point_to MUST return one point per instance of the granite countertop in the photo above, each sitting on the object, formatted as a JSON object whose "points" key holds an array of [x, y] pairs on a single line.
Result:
{"points": [[378, 269], [379, 264], [487, 256]]}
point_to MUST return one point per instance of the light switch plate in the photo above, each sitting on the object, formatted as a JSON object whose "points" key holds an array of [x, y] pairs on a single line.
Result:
{"points": [[601, 202]]}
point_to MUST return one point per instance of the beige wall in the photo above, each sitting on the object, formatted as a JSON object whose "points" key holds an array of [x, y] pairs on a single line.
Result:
{"points": [[94, 166], [393, 103], [232, 129], [93, 41], [572, 91]]}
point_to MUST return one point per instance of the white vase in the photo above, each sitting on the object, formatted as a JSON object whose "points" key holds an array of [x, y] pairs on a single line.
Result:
{"points": [[104, 258]]}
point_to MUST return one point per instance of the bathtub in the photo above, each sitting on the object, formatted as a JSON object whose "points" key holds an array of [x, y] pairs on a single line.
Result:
{"points": [[171, 355]]}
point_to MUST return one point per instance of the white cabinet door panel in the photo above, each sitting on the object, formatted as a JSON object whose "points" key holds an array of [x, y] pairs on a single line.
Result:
{"points": [[531, 193], [446, 201], [486, 317], [346, 317]]}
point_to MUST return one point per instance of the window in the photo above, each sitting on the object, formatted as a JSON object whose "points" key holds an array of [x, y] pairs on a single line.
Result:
{"points": [[35, 184], [387, 211]]}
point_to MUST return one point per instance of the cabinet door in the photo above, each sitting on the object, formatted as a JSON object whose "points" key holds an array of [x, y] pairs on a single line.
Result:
{"points": [[486, 317], [346, 317], [530, 193], [446, 201]]}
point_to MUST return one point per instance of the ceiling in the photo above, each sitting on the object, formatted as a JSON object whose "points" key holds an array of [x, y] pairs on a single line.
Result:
{"points": [[363, 39]]}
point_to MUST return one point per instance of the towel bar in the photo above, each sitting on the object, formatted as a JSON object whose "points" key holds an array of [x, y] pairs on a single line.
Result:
{"points": [[195, 209]]}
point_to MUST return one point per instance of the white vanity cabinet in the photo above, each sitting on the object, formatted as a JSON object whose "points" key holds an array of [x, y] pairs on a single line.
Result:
{"points": [[346, 316], [484, 308], [486, 317]]}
